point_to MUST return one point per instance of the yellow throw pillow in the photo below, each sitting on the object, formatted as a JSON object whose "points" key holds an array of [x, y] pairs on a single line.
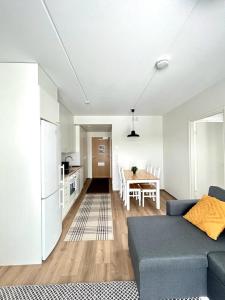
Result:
{"points": [[208, 215]]}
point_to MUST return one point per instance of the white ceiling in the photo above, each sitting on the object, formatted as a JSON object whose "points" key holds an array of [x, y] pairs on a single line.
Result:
{"points": [[105, 51]]}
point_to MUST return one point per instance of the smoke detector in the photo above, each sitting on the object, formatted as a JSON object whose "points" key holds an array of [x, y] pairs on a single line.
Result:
{"points": [[162, 64]]}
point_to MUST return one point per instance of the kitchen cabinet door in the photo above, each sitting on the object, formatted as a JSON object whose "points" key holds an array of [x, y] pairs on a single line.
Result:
{"points": [[81, 171], [66, 197], [66, 129], [49, 106]]}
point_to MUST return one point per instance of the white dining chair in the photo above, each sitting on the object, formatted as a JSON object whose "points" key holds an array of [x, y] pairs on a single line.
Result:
{"points": [[156, 172], [150, 170], [121, 182], [149, 190], [134, 190], [147, 168]]}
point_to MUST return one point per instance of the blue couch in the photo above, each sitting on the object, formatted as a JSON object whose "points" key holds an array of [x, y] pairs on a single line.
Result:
{"points": [[174, 259]]}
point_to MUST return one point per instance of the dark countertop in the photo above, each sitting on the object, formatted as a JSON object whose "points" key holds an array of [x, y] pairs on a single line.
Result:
{"points": [[73, 170]]}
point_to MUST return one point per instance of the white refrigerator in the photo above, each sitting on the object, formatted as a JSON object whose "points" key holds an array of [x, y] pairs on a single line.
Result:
{"points": [[50, 187]]}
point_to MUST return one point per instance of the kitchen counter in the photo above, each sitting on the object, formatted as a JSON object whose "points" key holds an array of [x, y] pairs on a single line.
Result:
{"points": [[73, 170]]}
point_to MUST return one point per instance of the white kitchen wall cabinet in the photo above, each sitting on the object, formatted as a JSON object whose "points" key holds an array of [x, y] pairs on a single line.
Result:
{"points": [[67, 129], [76, 145], [81, 178], [49, 106], [20, 186], [80, 148]]}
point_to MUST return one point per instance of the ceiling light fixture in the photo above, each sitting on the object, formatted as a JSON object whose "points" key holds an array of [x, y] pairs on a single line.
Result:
{"points": [[133, 133]]}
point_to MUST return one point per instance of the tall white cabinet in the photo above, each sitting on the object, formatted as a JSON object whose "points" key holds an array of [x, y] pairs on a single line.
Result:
{"points": [[66, 129], [49, 105], [24, 89]]}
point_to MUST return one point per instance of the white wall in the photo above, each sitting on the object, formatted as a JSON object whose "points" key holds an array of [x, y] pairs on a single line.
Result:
{"points": [[20, 195], [209, 156], [90, 135], [128, 151], [176, 137]]}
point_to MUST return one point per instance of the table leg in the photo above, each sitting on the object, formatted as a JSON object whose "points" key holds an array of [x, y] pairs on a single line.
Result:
{"points": [[157, 195], [124, 194], [127, 195]]}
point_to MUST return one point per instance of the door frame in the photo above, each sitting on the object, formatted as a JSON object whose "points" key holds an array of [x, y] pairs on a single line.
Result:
{"points": [[192, 159], [192, 151], [110, 154]]}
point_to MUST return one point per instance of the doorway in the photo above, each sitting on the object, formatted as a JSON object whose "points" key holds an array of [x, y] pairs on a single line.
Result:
{"points": [[101, 157], [207, 154]]}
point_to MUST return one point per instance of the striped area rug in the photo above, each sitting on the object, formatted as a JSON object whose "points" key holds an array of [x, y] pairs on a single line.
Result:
{"points": [[93, 220], [114, 290]]}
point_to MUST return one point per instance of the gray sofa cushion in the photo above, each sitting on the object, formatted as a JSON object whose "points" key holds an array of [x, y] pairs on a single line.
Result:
{"points": [[216, 261], [169, 257], [215, 288], [216, 276], [217, 192], [179, 207], [170, 241]]}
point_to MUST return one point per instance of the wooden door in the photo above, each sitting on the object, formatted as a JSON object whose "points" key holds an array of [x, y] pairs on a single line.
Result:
{"points": [[100, 157]]}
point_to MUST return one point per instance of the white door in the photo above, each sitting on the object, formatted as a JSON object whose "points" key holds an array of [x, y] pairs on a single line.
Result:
{"points": [[50, 163], [51, 223], [209, 156], [206, 154]]}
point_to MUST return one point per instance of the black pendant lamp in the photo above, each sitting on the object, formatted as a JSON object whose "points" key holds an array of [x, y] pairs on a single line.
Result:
{"points": [[133, 133]]}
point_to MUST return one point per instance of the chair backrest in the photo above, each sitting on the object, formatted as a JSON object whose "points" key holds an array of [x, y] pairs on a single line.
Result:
{"points": [[150, 169], [147, 168], [156, 172], [122, 175], [119, 170]]}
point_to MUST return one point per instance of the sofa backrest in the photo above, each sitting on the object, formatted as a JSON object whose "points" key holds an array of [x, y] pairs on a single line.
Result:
{"points": [[217, 192]]}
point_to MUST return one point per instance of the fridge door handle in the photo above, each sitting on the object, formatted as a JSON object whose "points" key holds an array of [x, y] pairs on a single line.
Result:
{"points": [[63, 175], [61, 197]]}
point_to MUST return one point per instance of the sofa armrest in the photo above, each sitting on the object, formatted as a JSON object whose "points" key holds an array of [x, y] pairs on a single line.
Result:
{"points": [[179, 207]]}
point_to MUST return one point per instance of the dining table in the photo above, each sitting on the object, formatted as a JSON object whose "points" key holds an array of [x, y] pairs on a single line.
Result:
{"points": [[141, 176]]}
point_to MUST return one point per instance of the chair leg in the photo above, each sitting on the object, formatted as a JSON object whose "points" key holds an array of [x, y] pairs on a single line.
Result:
{"points": [[124, 196], [139, 198], [143, 199], [121, 191]]}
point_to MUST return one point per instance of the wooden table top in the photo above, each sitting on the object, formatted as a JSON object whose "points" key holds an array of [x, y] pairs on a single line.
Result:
{"points": [[140, 175]]}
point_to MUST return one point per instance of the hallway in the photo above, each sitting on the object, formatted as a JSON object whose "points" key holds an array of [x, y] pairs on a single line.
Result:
{"points": [[86, 261]]}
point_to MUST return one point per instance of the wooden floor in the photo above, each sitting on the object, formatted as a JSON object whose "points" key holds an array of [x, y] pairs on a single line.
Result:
{"points": [[86, 261]]}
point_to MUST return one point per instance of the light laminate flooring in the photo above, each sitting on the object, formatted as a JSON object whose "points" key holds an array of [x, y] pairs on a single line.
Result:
{"points": [[86, 261]]}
